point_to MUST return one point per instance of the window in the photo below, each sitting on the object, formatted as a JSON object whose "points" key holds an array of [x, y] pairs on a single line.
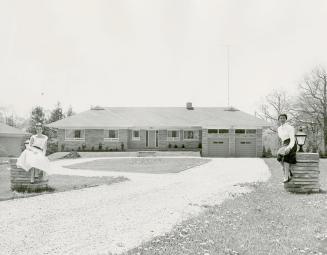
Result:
{"points": [[246, 142], [136, 135], [111, 134], [239, 131], [251, 131], [212, 131], [74, 134], [223, 131], [173, 135], [191, 134]]}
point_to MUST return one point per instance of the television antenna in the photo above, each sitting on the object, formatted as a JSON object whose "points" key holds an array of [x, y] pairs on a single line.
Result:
{"points": [[228, 72]]}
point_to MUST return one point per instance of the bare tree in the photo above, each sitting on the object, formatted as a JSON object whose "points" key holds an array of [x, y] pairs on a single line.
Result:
{"points": [[276, 103], [311, 106]]}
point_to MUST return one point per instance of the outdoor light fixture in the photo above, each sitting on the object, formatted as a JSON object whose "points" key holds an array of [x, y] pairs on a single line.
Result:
{"points": [[300, 138]]}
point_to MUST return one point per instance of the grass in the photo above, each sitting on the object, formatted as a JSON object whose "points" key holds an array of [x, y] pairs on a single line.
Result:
{"points": [[268, 220], [141, 165], [57, 183]]}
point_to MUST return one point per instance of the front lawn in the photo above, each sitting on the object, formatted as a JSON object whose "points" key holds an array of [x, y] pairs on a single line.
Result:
{"points": [[268, 220], [141, 165], [56, 182]]}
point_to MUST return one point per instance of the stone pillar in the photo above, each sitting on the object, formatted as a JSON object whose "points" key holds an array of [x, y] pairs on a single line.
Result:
{"points": [[305, 174], [205, 145], [232, 142], [21, 180]]}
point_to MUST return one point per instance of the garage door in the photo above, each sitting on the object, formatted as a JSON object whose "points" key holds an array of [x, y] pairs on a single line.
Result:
{"points": [[218, 147], [245, 147], [10, 146]]}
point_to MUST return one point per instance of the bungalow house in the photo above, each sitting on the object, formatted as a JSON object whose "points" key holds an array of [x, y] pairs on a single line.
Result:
{"points": [[11, 140], [217, 131]]}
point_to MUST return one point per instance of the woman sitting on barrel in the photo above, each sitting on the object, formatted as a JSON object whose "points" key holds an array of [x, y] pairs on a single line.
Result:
{"points": [[33, 157], [286, 155]]}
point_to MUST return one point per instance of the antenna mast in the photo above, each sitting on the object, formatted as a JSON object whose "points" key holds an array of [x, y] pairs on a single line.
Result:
{"points": [[228, 74]]}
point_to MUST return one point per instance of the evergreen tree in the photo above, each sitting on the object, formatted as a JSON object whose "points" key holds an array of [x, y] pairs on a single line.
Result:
{"points": [[56, 114], [10, 121], [70, 111], [37, 116]]}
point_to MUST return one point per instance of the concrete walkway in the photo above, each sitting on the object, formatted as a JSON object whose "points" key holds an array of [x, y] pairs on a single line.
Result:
{"points": [[118, 217]]}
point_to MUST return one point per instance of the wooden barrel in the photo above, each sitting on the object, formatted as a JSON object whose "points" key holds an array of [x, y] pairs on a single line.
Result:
{"points": [[305, 174], [21, 179]]}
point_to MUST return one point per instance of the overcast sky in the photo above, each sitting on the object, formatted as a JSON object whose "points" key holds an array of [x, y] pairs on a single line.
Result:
{"points": [[155, 53]]}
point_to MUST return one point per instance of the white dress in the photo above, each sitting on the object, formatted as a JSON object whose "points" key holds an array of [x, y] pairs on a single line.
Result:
{"points": [[34, 155]]}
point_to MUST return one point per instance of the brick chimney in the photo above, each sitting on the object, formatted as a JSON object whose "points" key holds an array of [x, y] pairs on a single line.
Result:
{"points": [[189, 106]]}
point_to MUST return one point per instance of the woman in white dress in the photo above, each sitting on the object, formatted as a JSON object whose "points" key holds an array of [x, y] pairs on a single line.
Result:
{"points": [[33, 157]]}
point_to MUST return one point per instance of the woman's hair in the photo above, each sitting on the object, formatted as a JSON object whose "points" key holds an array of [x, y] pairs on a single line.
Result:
{"points": [[39, 124], [283, 114]]}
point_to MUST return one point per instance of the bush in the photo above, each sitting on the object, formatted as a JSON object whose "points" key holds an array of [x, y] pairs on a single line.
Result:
{"points": [[107, 148], [264, 153], [322, 154], [52, 147], [92, 149], [200, 145], [169, 145], [269, 154], [83, 147], [62, 147], [100, 146], [122, 146], [175, 146], [183, 146]]}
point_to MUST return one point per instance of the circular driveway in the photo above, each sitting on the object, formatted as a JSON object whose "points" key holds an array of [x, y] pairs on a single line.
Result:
{"points": [[118, 217]]}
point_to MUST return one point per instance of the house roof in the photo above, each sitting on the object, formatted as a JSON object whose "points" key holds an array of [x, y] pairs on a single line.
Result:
{"points": [[6, 130], [133, 117]]}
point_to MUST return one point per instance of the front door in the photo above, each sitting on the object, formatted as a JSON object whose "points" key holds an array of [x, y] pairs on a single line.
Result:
{"points": [[151, 138]]}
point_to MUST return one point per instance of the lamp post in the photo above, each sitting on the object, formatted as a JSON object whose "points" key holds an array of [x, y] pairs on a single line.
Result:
{"points": [[300, 138]]}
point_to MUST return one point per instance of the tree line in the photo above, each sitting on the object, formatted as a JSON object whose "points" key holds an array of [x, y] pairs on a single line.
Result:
{"points": [[39, 115], [306, 109]]}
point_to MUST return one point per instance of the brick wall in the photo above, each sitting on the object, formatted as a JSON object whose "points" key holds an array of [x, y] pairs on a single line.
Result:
{"points": [[259, 143], [93, 138], [205, 145], [136, 144]]}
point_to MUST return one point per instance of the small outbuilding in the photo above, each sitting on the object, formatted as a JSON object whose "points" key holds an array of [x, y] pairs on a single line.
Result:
{"points": [[11, 140]]}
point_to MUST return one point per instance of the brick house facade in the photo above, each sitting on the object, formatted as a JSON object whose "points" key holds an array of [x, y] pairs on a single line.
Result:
{"points": [[130, 129]]}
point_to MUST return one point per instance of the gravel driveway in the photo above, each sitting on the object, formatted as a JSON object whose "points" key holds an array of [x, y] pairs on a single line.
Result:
{"points": [[119, 217]]}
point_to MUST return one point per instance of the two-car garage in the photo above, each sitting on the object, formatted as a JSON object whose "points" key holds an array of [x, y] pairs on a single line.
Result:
{"points": [[233, 143]]}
